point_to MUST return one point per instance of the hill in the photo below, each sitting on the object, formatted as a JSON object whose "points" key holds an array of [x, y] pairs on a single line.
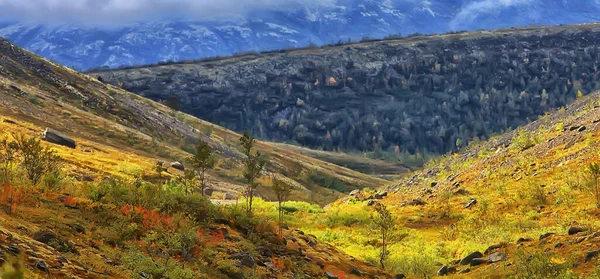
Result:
{"points": [[401, 99], [100, 40], [102, 211], [526, 198]]}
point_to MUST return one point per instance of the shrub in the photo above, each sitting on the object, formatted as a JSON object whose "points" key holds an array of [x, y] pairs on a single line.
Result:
{"points": [[36, 159], [540, 265], [524, 140]]}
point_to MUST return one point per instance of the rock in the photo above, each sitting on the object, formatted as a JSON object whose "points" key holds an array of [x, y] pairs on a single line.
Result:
{"points": [[56, 137], [41, 265], [443, 271], [466, 270], [467, 260], [399, 276], [371, 202], [177, 166], [416, 202], [50, 239], [591, 255], [471, 203], [229, 196], [380, 195], [245, 259], [546, 235], [558, 245], [320, 264], [581, 129], [208, 192], [144, 275], [356, 272], [494, 247], [330, 275], [496, 257], [573, 128], [478, 261], [78, 228], [433, 184], [9, 121], [13, 250], [354, 193], [575, 230], [523, 239]]}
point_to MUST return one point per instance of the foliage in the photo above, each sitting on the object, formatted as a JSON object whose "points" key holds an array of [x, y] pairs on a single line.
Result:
{"points": [[540, 265], [384, 222], [253, 166], [593, 174], [8, 150], [37, 159], [282, 192], [203, 160]]}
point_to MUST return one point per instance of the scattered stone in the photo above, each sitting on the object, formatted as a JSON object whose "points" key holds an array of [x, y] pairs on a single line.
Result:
{"points": [[78, 228], [208, 191], [523, 239], [558, 245], [357, 272], [380, 195], [591, 254], [443, 271], [329, 275], [575, 230], [467, 260], [177, 166], [229, 196], [573, 128], [399, 276], [56, 137], [433, 184], [371, 202], [9, 121], [579, 240], [494, 247], [13, 250], [546, 235], [41, 265], [478, 261], [496, 257], [354, 193], [416, 202], [245, 259], [581, 129], [320, 264], [471, 203]]}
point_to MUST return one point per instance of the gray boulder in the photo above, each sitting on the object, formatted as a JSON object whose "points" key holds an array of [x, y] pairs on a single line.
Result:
{"points": [[53, 136], [229, 196], [467, 260], [177, 165], [496, 257], [208, 191]]}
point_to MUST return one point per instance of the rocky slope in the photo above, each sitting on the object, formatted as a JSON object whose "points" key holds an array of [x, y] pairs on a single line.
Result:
{"points": [[87, 45], [419, 95]]}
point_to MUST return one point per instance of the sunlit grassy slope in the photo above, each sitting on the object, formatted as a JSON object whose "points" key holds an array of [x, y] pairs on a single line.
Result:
{"points": [[527, 183]]}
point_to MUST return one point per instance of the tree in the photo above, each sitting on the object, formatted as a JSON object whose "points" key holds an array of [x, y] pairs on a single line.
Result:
{"points": [[384, 224], [203, 160], [36, 158], [188, 178], [593, 171], [282, 191], [159, 168], [8, 150], [253, 166]]}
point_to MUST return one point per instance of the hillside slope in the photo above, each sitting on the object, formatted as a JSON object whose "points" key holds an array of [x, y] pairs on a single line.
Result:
{"points": [[396, 98], [49, 95], [105, 213], [529, 195]]}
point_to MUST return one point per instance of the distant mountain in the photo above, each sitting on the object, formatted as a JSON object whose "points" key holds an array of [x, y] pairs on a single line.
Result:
{"points": [[83, 47]]}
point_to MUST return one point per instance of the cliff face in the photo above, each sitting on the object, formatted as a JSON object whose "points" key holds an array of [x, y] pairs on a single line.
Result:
{"points": [[421, 94]]}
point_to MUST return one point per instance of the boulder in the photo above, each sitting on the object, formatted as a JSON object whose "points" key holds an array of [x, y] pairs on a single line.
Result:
{"points": [[467, 260], [229, 196], [41, 265], [496, 257], [245, 259], [443, 271], [208, 191], [53, 136], [177, 166], [575, 230], [591, 255], [380, 195], [471, 203], [466, 270], [357, 272], [546, 235], [330, 275], [478, 261], [354, 193], [371, 203], [494, 247], [399, 276]]}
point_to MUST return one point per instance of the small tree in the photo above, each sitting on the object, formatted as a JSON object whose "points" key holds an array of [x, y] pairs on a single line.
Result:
{"points": [[188, 179], [384, 223], [8, 152], [203, 160], [593, 171], [282, 192], [36, 158], [159, 168], [253, 166]]}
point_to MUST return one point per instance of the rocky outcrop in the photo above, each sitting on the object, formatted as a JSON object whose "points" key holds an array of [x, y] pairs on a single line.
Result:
{"points": [[57, 137]]}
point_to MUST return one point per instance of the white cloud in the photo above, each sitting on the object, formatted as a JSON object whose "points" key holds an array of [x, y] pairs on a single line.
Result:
{"points": [[475, 9], [114, 12]]}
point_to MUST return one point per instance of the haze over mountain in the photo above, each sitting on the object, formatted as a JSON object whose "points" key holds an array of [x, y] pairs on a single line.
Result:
{"points": [[126, 33]]}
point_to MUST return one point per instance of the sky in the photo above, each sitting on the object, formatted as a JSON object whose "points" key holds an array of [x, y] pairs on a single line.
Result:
{"points": [[126, 11]]}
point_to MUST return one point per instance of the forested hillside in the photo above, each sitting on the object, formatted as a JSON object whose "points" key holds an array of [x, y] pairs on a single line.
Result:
{"points": [[428, 94]]}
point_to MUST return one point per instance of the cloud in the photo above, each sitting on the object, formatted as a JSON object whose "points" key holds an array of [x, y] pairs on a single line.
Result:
{"points": [[110, 12], [470, 12]]}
